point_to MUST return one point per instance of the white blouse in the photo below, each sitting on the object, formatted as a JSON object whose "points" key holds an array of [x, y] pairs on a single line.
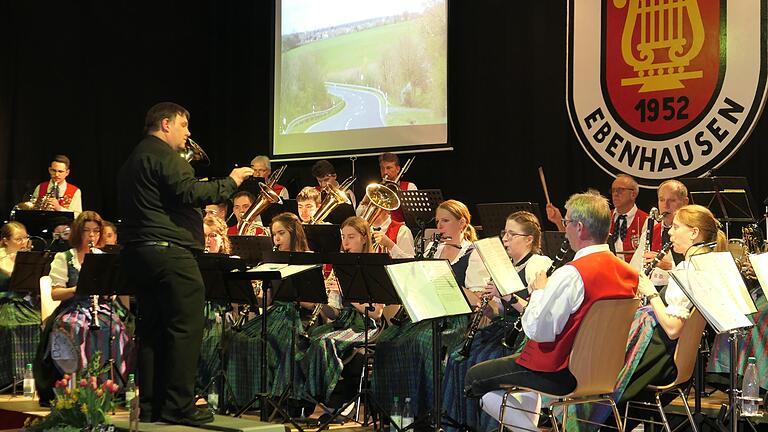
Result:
{"points": [[477, 276], [678, 304], [58, 274]]}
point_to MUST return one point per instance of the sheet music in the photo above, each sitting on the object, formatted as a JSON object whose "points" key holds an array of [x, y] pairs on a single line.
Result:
{"points": [[705, 291], [498, 264], [724, 271], [760, 264], [285, 270], [428, 289]]}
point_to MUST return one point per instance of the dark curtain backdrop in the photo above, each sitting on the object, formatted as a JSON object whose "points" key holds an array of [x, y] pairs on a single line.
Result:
{"points": [[76, 77]]}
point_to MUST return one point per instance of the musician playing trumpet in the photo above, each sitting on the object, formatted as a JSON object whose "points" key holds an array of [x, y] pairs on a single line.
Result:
{"points": [[522, 240]]}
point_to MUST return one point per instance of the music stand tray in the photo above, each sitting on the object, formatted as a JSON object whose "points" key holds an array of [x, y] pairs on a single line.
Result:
{"points": [[250, 248], [306, 286], [323, 237], [28, 269], [493, 216], [38, 222], [729, 198]]}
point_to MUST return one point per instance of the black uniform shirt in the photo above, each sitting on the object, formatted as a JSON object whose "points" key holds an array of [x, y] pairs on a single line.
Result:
{"points": [[160, 198]]}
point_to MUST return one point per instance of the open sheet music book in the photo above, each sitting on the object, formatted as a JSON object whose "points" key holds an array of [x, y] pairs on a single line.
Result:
{"points": [[428, 289], [499, 265], [286, 270], [728, 277], [705, 291], [760, 264]]}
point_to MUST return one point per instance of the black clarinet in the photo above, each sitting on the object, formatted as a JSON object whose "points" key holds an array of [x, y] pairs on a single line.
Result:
{"points": [[474, 326], [650, 265], [509, 339]]}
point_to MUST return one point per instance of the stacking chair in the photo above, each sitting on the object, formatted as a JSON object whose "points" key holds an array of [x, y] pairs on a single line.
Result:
{"points": [[685, 362], [596, 359]]}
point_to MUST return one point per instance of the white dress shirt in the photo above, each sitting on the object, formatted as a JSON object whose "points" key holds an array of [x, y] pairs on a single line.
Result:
{"points": [[403, 247]]}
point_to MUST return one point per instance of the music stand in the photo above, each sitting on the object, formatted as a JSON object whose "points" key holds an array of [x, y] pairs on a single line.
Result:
{"points": [[340, 214], [323, 237], [286, 206], [493, 216], [250, 248], [39, 222], [419, 211], [28, 269], [728, 198]]}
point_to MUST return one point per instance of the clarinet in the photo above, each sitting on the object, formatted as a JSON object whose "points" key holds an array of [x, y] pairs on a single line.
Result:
{"points": [[94, 301], [652, 217], [474, 326], [650, 265], [509, 339]]}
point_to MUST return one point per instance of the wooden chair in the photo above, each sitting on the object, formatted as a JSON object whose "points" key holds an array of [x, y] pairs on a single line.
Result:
{"points": [[685, 361], [596, 359]]}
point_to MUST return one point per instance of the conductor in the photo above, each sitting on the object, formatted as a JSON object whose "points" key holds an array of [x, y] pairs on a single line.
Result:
{"points": [[160, 200]]}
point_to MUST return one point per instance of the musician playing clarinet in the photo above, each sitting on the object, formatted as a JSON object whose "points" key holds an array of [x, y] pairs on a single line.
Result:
{"points": [[672, 195], [554, 313]]}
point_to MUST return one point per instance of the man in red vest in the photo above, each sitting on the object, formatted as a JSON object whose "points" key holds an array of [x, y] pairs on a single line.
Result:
{"points": [[389, 166], [262, 167], [627, 221], [63, 196], [554, 313]]}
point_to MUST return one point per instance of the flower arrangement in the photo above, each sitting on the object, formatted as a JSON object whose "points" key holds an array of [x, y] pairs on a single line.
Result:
{"points": [[80, 404]]}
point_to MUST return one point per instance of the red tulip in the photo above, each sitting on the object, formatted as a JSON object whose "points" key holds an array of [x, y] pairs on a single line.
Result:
{"points": [[114, 388], [83, 382]]}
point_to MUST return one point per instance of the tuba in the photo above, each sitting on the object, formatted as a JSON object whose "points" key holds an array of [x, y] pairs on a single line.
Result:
{"points": [[267, 197], [335, 195], [193, 152]]}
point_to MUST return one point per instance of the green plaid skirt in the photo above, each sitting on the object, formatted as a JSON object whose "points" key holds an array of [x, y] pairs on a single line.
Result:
{"points": [[19, 336]]}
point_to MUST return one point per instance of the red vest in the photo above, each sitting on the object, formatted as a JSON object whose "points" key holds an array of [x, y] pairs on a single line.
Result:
{"points": [[232, 231], [65, 199], [277, 188], [604, 277], [634, 228], [397, 215], [392, 230]]}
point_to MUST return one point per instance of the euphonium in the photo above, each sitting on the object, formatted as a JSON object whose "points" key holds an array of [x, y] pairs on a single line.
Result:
{"points": [[335, 195], [380, 198], [267, 197], [193, 152]]}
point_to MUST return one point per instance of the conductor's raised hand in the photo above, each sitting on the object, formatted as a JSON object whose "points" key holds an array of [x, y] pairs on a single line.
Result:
{"points": [[240, 174]]}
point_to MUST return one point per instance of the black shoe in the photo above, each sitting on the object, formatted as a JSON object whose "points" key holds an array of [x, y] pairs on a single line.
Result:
{"points": [[195, 418], [148, 418]]}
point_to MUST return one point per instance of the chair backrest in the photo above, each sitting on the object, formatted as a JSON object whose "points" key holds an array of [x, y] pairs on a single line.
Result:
{"points": [[688, 346], [598, 352], [47, 303]]}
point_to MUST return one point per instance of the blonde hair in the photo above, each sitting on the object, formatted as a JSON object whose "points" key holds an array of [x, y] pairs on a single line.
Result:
{"points": [[531, 226], [218, 226], [309, 193], [696, 216], [362, 227], [458, 210]]}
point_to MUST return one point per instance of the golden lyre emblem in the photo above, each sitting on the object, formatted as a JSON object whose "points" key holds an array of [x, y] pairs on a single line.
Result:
{"points": [[661, 27]]}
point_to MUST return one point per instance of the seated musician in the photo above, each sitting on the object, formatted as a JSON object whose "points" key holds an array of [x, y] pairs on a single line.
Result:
{"points": [[109, 233], [307, 202], [552, 318], [241, 202], [262, 167], [74, 319], [244, 371], [332, 364], [522, 240], [392, 237], [389, 167], [325, 174], [219, 210], [404, 350], [57, 193], [20, 325]]}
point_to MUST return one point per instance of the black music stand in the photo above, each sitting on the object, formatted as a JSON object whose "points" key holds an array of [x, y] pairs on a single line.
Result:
{"points": [[286, 206], [266, 275], [38, 222], [323, 237], [493, 216], [340, 214], [215, 269], [728, 198], [28, 269], [251, 248], [419, 211]]}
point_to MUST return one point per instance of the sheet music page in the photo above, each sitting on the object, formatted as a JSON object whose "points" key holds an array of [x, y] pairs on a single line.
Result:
{"points": [[285, 270], [498, 264], [760, 264], [428, 289], [722, 265], [705, 291]]}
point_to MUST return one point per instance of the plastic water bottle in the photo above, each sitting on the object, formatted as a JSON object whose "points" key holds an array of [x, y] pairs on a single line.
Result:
{"points": [[213, 399], [130, 390], [395, 414], [29, 382], [407, 413], [750, 389]]}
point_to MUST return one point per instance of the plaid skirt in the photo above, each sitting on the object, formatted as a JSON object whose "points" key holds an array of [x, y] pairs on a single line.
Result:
{"points": [[210, 360], [243, 356], [754, 344], [486, 346], [403, 362], [19, 337]]}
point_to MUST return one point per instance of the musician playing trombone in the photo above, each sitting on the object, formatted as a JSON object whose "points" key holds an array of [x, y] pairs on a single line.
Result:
{"points": [[262, 167], [325, 174]]}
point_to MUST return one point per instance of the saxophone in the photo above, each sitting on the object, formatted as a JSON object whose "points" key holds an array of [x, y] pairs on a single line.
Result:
{"points": [[94, 305], [509, 339]]}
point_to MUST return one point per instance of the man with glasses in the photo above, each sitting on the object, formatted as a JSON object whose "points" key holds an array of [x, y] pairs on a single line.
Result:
{"points": [[262, 167], [627, 221], [63, 196]]}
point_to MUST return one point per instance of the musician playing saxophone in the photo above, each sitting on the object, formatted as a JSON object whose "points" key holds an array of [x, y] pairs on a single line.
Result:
{"points": [[522, 240], [57, 193]]}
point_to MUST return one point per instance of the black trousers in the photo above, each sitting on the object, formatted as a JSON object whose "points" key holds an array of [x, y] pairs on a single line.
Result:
{"points": [[497, 374], [170, 295]]}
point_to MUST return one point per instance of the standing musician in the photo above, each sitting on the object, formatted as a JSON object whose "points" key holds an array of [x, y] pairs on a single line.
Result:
{"points": [[389, 167], [262, 167], [404, 351], [392, 237], [62, 196], [522, 240], [74, 317], [160, 201], [307, 203], [554, 313]]}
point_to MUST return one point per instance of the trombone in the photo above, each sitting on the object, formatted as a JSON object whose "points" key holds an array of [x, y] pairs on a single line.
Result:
{"points": [[335, 195]]}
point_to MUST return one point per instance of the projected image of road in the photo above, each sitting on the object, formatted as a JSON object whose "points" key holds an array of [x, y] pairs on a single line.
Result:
{"points": [[362, 109]]}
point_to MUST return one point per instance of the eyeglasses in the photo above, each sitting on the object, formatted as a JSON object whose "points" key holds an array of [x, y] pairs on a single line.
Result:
{"points": [[567, 221], [504, 233], [619, 189]]}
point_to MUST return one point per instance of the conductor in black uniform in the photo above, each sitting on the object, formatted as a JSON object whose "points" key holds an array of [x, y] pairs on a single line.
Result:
{"points": [[160, 200]]}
